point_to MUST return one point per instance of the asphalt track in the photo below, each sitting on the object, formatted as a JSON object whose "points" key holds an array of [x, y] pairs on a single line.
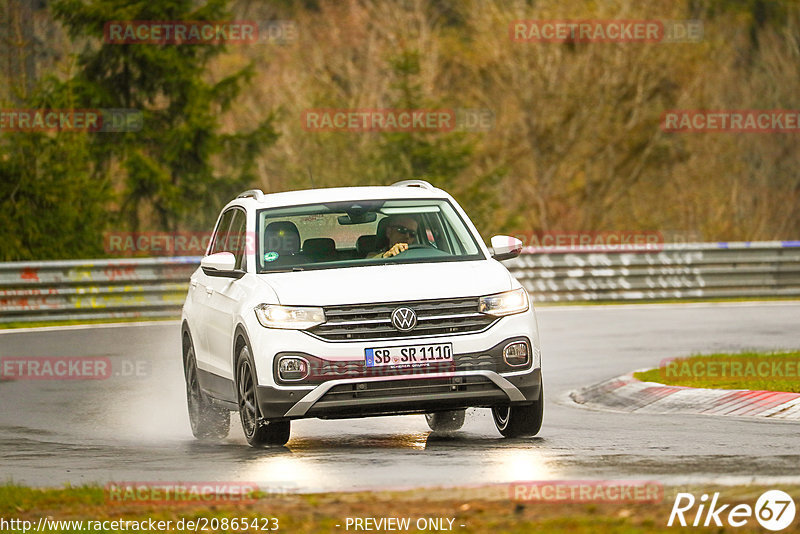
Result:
{"points": [[135, 428]]}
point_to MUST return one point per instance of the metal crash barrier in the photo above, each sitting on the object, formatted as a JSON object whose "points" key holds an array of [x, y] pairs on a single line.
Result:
{"points": [[94, 289], [78, 290], [677, 271]]}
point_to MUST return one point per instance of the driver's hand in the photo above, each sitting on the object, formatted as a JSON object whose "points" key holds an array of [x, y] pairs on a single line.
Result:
{"points": [[395, 250]]}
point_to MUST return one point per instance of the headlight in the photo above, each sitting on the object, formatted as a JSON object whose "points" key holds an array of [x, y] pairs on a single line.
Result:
{"points": [[292, 317], [507, 303]]}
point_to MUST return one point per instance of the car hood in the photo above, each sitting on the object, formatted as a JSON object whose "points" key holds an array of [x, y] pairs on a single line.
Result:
{"points": [[389, 283]]}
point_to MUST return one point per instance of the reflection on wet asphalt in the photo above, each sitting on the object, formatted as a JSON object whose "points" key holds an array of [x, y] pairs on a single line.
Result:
{"points": [[131, 428]]}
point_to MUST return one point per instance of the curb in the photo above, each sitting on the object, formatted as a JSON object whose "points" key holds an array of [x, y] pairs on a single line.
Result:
{"points": [[627, 394]]}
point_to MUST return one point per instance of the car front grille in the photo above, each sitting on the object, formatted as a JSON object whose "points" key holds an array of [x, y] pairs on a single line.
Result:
{"points": [[413, 389], [373, 321], [406, 396]]}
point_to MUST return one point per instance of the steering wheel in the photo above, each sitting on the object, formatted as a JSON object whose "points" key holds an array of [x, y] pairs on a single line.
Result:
{"points": [[415, 250], [413, 246]]}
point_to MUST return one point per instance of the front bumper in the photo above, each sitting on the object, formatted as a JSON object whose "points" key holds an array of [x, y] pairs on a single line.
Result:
{"points": [[341, 387], [371, 396]]}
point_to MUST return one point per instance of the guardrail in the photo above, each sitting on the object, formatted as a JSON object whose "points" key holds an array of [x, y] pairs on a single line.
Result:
{"points": [[94, 289], [156, 287], [678, 271]]}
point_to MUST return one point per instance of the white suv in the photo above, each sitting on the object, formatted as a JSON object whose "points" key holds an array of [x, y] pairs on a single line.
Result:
{"points": [[356, 302]]}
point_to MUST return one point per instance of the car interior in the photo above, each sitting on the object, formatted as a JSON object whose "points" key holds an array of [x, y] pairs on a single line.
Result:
{"points": [[284, 238]]}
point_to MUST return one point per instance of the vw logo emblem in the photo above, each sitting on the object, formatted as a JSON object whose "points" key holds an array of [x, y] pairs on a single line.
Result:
{"points": [[404, 319]]}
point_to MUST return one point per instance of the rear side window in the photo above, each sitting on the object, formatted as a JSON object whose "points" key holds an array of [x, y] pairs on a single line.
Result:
{"points": [[230, 235], [221, 233], [236, 237]]}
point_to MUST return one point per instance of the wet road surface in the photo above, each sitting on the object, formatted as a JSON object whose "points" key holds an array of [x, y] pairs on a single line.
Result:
{"points": [[135, 428]]}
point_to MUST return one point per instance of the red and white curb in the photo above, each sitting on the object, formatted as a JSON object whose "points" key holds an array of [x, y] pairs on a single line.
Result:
{"points": [[627, 394]]}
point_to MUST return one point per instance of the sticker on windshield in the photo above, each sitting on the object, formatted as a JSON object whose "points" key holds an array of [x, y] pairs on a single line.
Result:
{"points": [[270, 256]]}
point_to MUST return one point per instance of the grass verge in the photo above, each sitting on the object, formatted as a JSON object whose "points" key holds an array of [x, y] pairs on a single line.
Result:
{"points": [[486, 509], [37, 324]]}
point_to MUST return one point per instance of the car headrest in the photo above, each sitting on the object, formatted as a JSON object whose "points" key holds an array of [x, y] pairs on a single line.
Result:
{"points": [[282, 237], [366, 244], [320, 248], [381, 241]]}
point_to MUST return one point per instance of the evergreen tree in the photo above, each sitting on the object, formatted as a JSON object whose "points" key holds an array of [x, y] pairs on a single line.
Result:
{"points": [[438, 157], [180, 167]]}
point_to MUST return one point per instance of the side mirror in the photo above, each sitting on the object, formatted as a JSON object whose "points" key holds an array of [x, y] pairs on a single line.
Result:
{"points": [[505, 247], [221, 264]]}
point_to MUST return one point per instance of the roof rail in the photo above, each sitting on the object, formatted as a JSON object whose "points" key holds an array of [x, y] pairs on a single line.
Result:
{"points": [[414, 183], [257, 194]]}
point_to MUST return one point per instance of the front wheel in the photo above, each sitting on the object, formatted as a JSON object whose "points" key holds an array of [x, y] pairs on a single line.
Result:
{"points": [[519, 421], [258, 431], [446, 421]]}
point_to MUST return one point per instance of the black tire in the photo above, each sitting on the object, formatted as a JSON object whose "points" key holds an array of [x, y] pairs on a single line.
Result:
{"points": [[446, 421], [208, 422], [258, 431], [519, 421]]}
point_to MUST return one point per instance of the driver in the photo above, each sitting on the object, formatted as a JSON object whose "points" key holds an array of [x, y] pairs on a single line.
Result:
{"points": [[401, 231]]}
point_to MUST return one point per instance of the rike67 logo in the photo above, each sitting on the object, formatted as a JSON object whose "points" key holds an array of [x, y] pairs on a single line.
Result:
{"points": [[774, 510]]}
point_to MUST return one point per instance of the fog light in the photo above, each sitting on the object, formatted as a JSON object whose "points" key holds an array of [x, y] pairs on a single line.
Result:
{"points": [[516, 354], [292, 368]]}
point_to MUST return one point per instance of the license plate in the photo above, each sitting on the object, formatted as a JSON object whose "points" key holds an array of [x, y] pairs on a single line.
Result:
{"points": [[412, 355]]}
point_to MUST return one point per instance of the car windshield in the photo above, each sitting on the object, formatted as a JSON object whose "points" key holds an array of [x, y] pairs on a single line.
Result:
{"points": [[344, 234]]}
